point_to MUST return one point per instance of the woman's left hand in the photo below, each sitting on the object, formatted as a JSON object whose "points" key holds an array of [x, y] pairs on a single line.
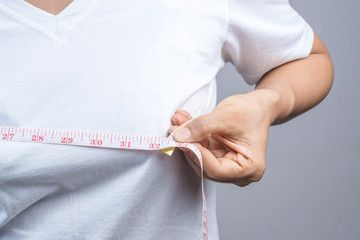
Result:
{"points": [[232, 139]]}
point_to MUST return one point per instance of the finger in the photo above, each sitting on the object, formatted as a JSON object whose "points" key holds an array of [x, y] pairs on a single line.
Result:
{"points": [[225, 166], [190, 159], [235, 168], [242, 183], [184, 113], [172, 129], [193, 161], [199, 128], [217, 148], [211, 164], [247, 181], [180, 117], [195, 164], [205, 142], [190, 155]]}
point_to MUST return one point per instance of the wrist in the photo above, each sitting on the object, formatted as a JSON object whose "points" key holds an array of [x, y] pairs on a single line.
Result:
{"points": [[275, 103]]}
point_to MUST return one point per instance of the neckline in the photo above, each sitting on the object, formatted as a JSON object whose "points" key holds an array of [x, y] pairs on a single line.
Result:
{"points": [[46, 12], [41, 11], [57, 27]]}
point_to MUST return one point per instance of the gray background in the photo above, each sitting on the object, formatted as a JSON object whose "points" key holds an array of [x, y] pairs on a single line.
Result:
{"points": [[311, 187]]}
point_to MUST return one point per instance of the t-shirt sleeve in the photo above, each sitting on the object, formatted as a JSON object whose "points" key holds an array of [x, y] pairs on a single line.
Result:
{"points": [[263, 34]]}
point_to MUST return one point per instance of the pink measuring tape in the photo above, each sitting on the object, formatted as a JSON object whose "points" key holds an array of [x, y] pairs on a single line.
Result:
{"points": [[105, 140]]}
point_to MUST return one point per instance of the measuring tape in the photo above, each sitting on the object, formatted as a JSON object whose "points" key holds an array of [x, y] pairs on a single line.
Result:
{"points": [[105, 140]]}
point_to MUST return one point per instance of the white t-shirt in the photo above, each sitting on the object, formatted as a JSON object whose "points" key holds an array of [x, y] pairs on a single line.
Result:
{"points": [[126, 67]]}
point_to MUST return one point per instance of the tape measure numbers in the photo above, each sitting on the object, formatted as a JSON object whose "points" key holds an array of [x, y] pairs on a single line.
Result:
{"points": [[105, 140]]}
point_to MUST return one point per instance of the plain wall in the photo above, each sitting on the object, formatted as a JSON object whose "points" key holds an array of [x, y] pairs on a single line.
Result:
{"points": [[311, 187]]}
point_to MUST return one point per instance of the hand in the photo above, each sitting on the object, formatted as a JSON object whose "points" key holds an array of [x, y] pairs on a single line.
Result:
{"points": [[232, 139]]}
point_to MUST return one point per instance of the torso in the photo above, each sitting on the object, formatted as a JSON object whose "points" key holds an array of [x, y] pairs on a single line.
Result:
{"points": [[105, 66]]}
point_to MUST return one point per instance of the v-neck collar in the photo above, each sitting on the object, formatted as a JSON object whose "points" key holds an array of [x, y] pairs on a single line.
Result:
{"points": [[57, 27]]}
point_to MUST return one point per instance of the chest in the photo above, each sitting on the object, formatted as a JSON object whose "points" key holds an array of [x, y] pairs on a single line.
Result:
{"points": [[100, 61]]}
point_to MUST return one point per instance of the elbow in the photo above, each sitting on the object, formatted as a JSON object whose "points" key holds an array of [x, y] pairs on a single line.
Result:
{"points": [[325, 66]]}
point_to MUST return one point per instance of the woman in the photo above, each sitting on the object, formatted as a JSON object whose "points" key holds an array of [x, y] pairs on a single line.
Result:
{"points": [[126, 67]]}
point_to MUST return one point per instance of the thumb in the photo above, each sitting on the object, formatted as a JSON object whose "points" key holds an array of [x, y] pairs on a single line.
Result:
{"points": [[198, 129]]}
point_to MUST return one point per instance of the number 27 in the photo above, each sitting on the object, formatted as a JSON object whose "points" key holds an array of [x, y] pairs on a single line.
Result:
{"points": [[5, 136]]}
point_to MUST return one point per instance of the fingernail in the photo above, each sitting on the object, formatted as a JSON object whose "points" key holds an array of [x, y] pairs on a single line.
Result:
{"points": [[182, 134], [174, 121]]}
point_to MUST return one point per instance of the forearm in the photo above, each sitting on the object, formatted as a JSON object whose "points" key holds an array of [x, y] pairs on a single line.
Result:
{"points": [[297, 86]]}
